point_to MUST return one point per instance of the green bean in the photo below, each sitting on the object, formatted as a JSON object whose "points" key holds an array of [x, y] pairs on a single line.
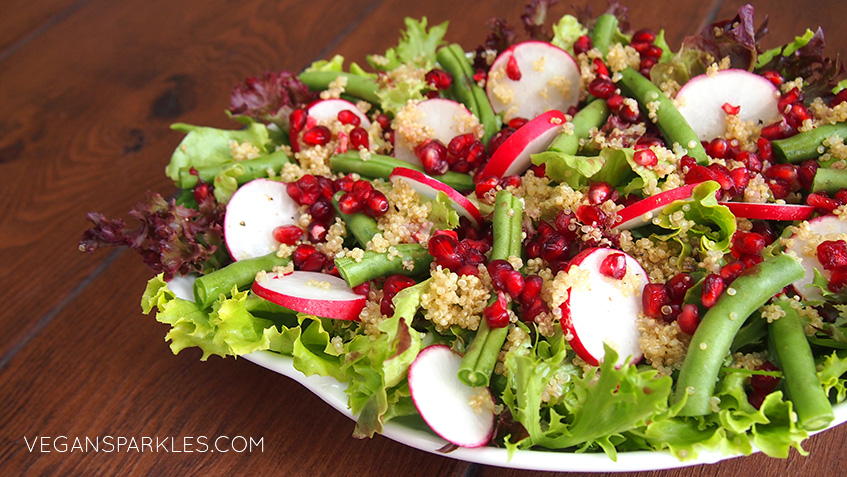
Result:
{"points": [[380, 167], [481, 356], [252, 169], [712, 340], [806, 145], [466, 90], [360, 225], [380, 264], [242, 273], [603, 32], [829, 180], [798, 366], [362, 87], [669, 120], [593, 115]]}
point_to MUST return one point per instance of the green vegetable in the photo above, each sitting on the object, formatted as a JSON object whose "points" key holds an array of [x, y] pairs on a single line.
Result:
{"points": [[806, 145], [713, 223], [362, 87], [481, 356], [465, 90], [604, 31], [711, 341], [829, 180], [377, 166], [566, 31], [593, 115], [417, 47], [240, 274], [203, 146], [360, 225], [671, 123], [798, 365], [243, 171], [411, 260], [786, 50]]}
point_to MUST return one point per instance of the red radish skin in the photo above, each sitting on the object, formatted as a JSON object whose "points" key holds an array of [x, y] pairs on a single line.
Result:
{"points": [[703, 97], [446, 118], [252, 214], [429, 188], [444, 402], [754, 211], [601, 310], [513, 156], [827, 227], [328, 109], [306, 292], [645, 210], [549, 79]]}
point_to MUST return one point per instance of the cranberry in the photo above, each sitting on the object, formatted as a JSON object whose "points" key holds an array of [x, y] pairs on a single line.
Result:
{"points": [[688, 319], [288, 234]]}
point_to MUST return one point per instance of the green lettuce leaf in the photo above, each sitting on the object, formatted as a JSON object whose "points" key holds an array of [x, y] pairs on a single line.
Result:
{"points": [[336, 64], [786, 50], [830, 374], [566, 31], [417, 46], [568, 168], [394, 95], [443, 215], [226, 182], [712, 223], [615, 166], [204, 146]]}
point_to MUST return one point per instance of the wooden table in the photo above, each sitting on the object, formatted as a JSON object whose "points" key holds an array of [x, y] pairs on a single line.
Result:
{"points": [[88, 89]]}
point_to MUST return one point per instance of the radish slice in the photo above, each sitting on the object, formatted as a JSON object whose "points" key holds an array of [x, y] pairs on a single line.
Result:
{"points": [[645, 210], [804, 245], [548, 79], [444, 402], [702, 98], [513, 156], [753, 211], [604, 309], [445, 118], [252, 214], [314, 293], [327, 109], [183, 286], [429, 188]]}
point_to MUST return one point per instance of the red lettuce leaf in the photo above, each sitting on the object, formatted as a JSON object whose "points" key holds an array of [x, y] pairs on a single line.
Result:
{"points": [[534, 17], [171, 239], [820, 73], [499, 38], [587, 18], [270, 98]]}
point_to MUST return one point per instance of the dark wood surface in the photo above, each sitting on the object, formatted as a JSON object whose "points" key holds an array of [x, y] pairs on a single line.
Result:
{"points": [[88, 89]]}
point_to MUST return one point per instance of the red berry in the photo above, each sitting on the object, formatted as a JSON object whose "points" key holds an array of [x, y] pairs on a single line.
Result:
{"points": [[349, 117], [614, 266], [713, 286], [496, 314], [317, 136], [832, 254], [654, 298], [513, 71], [288, 234], [688, 319]]}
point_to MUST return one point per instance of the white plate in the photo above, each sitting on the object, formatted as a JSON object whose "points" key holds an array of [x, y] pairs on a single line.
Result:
{"points": [[332, 392]]}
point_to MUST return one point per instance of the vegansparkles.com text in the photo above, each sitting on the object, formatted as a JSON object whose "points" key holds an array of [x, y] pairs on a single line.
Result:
{"points": [[142, 444]]}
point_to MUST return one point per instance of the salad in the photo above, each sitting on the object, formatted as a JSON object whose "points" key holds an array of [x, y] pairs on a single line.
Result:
{"points": [[576, 239]]}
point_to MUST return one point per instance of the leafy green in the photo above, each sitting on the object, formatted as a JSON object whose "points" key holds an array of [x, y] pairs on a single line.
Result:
{"points": [[204, 146], [702, 216], [443, 214], [830, 374], [226, 182], [785, 50], [566, 31], [615, 166], [417, 46], [336, 64], [568, 168], [394, 95]]}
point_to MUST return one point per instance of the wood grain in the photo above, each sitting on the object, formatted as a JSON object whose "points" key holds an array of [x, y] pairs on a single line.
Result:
{"points": [[84, 114]]}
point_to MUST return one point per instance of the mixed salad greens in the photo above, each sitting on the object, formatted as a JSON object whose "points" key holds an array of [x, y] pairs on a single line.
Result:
{"points": [[629, 248]]}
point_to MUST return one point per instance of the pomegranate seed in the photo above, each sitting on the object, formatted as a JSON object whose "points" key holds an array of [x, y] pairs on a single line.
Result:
{"points": [[750, 160], [764, 383], [777, 130], [510, 181], [202, 191], [747, 242], [532, 289], [362, 189], [530, 310], [600, 68], [322, 210], [717, 148], [582, 44], [344, 184], [821, 203], [486, 185], [698, 173], [689, 319], [359, 138], [349, 117], [789, 99], [773, 77], [832, 254], [479, 75], [314, 262], [601, 87], [628, 113], [461, 144], [384, 121], [614, 266], [678, 285], [363, 289], [327, 187], [841, 196], [839, 98], [764, 229], [297, 120], [517, 123], [317, 136], [765, 150], [393, 285], [287, 234], [513, 71], [554, 249], [496, 314], [644, 35], [599, 192], [442, 245], [740, 177], [838, 279], [646, 65], [654, 297], [653, 52], [640, 46], [433, 156], [713, 286], [533, 249], [468, 270], [544, 230], [646, 158], [376, 205], [785, 172], [317, 231], [348, 204], [731, 271], [615, 101], [687, 162], [806, 173], [439, 79], [306, 190], [514, 284], [730, 109], [497, 270], [301, 253], [750, 260], [590, 215], [476, 154], [779, 188]]}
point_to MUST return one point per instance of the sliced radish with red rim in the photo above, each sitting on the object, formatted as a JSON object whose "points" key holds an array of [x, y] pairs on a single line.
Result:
{"points": [[252, 214], [429, 188], [328, 109], [446, 118], [513, 156], [645, 210], [314, 293], [827, 227], [755, 211]]}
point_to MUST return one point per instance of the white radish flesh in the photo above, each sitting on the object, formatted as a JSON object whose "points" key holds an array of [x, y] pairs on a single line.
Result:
{"points": [[314, 293], [444, 118], [328, 109], [444, 402], [603, 309], [645, 210], [428, 187], [701, 101], [513, 156], [804, 245], [252, 214], [549, 79]]}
